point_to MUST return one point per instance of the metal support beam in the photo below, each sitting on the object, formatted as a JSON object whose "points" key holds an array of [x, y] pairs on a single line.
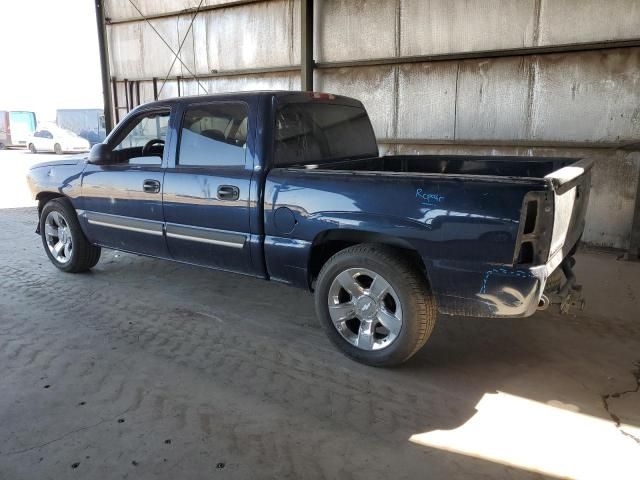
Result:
{"points": [[104, 66], [228, 73], [481, 54], [306, 45], [634, 241], [114, 86], [186, 11], [126, 94], [132, 98]]}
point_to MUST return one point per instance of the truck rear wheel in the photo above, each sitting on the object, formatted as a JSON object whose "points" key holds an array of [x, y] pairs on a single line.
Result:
{"points": [[63, 239], [374, 305]]}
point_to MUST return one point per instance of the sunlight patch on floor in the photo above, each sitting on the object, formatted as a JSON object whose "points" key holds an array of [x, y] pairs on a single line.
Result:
{"points": [[549, 439]]}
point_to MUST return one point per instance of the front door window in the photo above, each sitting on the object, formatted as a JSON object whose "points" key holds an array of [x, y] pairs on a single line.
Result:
{"points": [[144, 141]]}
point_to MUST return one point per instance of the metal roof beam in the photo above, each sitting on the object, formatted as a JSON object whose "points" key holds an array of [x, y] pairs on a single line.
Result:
{"points": [[186, 11], [509, 52]]}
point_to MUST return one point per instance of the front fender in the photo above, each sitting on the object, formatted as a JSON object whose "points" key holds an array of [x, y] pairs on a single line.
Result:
{"points": [[61, 177]]}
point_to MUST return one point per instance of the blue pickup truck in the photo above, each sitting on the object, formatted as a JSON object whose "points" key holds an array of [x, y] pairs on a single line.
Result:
{"points": [[289, 186]]}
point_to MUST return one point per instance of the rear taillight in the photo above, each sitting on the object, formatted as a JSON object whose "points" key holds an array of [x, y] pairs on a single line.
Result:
{"points": [[534, 234]]}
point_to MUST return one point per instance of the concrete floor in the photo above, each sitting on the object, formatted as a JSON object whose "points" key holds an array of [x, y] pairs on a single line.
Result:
{"points": [[153, 370]]}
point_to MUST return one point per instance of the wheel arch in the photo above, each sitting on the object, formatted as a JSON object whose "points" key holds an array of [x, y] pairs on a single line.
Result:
{"points": [[43, 198], [329, 242]]}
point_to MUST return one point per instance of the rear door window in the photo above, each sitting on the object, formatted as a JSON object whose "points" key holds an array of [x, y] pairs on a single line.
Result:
{"points": [[214, 135]]}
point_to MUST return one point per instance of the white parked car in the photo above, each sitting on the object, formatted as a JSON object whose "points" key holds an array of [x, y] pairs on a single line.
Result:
{"points": [[56, 140]]}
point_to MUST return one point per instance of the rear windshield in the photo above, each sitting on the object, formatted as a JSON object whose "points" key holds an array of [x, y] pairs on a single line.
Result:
{"points": [[316, 133]]}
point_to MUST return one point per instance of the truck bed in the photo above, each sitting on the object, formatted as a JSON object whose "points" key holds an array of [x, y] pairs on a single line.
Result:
{"points": [[473, 220], [507, 166]]}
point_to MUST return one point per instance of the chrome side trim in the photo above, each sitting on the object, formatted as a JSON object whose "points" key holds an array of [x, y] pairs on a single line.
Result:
{"points": [[124, 227], [205, 240], [206, 235], [173, 230], [130, 224]]}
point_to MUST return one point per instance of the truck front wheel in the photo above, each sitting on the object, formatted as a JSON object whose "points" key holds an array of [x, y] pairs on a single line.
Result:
{"points": [[374, 305], [63, 239]]}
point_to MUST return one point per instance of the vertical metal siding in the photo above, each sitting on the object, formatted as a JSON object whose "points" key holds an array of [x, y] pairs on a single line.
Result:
{"points": [[589, 97]]}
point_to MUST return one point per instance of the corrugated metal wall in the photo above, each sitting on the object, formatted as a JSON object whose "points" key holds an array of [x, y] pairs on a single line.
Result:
{"points": [[525, 77]]}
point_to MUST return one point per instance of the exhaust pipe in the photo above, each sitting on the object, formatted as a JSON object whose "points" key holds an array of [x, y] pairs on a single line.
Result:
{"points": [[543, 303]]}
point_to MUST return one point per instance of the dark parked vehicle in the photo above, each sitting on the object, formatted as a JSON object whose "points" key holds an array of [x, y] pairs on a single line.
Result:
{"points": [[288, 186]]}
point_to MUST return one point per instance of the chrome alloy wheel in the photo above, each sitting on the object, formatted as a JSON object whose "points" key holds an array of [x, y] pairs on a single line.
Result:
{"points": [[58, 236], [365, 309]]}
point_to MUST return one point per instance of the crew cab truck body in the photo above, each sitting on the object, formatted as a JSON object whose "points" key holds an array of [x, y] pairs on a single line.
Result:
{"points": [[289, 186]]}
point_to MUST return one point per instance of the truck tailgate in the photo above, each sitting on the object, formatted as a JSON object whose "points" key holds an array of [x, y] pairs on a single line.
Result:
{"points": [[571, 185]]}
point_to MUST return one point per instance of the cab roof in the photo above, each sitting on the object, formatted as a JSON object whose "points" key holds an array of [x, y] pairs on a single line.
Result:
{"points": [[284, 96]]}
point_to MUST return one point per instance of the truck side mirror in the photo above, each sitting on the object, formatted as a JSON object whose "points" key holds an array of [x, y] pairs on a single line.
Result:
{"points": [[100, 154]]}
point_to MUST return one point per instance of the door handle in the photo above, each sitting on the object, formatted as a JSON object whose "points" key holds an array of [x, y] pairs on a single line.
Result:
{"points": [[228, 192], [151, 186]]}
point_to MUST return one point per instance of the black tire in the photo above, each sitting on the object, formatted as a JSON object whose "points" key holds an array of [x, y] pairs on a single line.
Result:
{"points": [[57, 149], [32, 148], [83, 255], [409, 284]]}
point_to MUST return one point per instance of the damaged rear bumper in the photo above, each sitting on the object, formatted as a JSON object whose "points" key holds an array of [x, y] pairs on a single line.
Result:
{"points": [[502, 291]]}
